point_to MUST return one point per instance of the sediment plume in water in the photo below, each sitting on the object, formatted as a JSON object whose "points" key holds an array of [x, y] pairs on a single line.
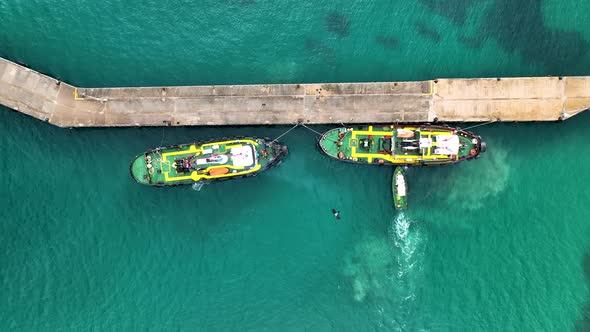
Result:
{"points": [[387, 267], [465, 186], [486, 179]]}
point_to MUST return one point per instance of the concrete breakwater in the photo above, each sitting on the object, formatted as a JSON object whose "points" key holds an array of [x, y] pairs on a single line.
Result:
{"points": [[442, 100]]}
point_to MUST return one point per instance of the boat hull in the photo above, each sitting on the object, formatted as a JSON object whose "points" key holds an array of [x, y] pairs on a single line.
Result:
{"points": [[399, 188], [206, 161], [401, 145]]}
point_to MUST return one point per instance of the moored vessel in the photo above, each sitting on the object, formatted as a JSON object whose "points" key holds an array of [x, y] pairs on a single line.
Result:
{"points": [[201, 162], [401, 144], [399, 187]]}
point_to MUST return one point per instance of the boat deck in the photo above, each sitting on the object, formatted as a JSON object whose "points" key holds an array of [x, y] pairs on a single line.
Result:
{"points": [[374, 144], [399, 189], [192, 163]]}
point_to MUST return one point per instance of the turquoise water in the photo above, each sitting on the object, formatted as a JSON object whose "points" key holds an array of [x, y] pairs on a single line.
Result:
{"points": [[500, 243]]}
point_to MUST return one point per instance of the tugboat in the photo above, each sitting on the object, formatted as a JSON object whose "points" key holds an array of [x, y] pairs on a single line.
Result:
{"points": [[408, 145], [202, 162], [399, 188]]}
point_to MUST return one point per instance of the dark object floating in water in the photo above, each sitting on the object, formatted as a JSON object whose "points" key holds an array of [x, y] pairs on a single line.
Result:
{"points": [[388, 42], [338, 24], [336, 214], [428, 32], [471, 42]]}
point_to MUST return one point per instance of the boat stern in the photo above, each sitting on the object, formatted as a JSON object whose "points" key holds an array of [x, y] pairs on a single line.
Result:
{"points": [[471, 146], [482, 145], [331, 141], [271, 152], [479, 147], [139, 169]]}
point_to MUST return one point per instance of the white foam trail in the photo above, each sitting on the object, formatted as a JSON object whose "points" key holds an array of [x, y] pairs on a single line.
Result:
{"points": [[388, 269], [402, 226], [408, 240]]}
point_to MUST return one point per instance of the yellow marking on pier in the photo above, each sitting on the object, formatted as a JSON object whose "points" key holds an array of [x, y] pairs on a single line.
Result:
{"points": [[431, 89], [76, 97]]}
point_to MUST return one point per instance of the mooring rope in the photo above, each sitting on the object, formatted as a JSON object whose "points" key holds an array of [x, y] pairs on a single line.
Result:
{"points": [[478, 125], [306, 127], [285, 133], [162, 141]]}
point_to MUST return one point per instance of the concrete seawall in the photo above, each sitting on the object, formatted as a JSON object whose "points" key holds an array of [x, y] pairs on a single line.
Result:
{"points": [[443, 100]]}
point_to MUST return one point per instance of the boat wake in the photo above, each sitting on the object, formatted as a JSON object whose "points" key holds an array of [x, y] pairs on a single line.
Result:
{"points": [[197, 186], [407, 239], [388, 268]]}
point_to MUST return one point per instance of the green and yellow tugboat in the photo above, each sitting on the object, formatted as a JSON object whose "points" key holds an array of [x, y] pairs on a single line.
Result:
{"points": [[401, 145], [399, 187], [206, 161]]}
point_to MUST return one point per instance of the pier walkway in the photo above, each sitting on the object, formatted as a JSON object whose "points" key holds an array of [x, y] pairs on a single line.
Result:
{"points": [[442, 100]]}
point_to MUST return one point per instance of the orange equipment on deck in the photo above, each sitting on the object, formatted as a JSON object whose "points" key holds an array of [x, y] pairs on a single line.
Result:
{"points": [[219, 171]]}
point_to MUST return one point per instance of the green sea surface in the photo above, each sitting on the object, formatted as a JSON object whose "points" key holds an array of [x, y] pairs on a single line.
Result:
{"points": [[501, 243]]}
